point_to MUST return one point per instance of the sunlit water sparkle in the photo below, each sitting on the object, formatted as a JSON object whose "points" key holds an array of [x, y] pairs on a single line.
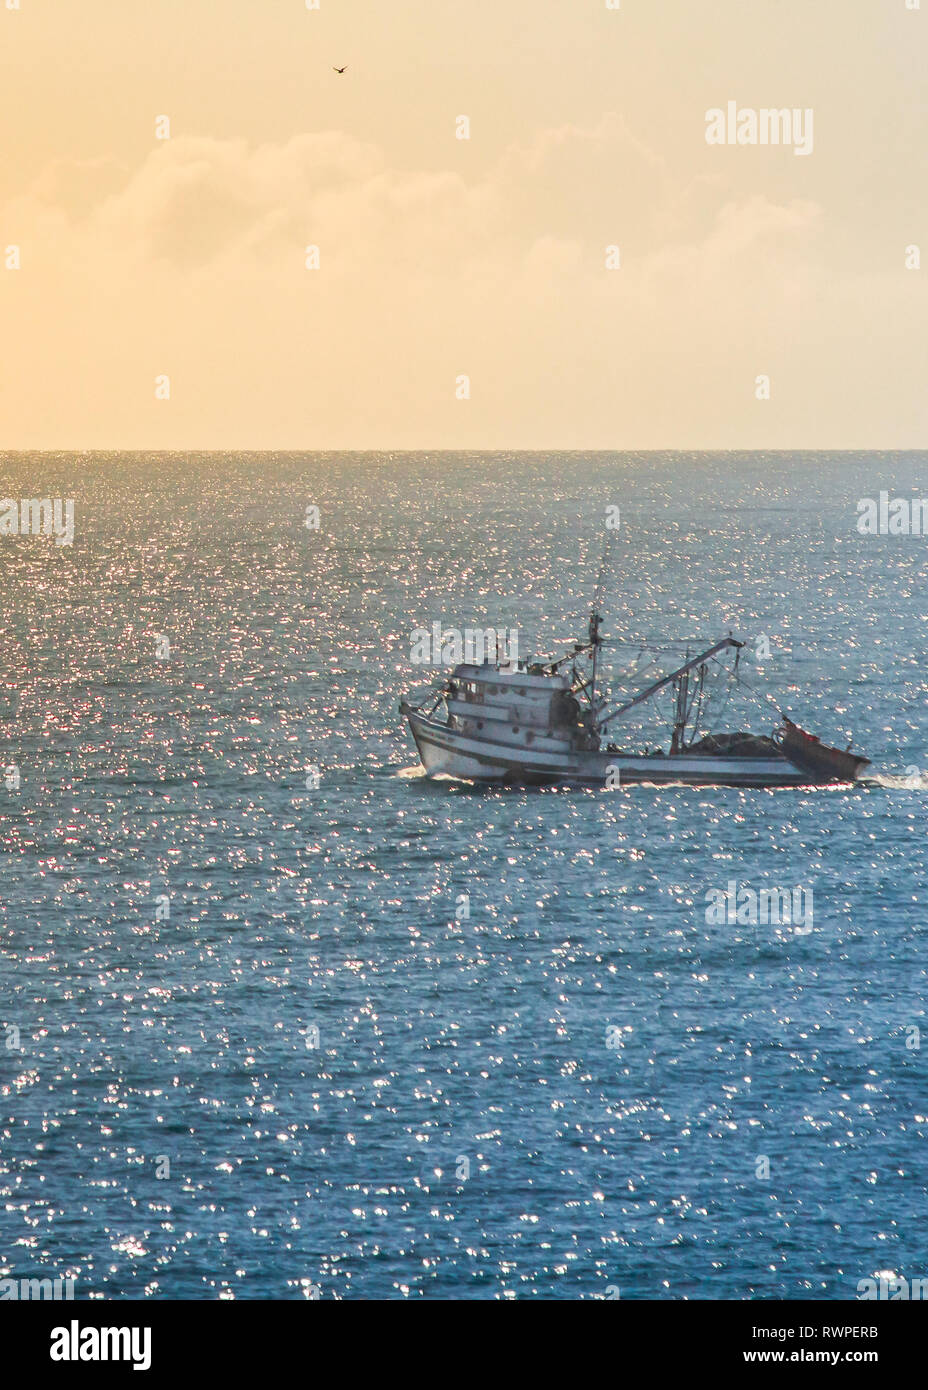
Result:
{"points": [[630, 1166]]}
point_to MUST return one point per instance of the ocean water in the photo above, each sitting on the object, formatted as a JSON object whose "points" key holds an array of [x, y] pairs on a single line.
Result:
{"points": [[251, 1047]]}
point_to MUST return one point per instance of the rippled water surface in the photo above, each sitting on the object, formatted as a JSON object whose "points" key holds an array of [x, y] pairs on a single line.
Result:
{"points": [[573, 1089]]}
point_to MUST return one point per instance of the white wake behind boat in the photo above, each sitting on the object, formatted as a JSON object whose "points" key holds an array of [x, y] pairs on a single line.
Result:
{"points": [[522, 721]]}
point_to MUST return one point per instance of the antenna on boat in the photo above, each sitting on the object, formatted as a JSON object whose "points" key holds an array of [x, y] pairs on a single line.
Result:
{"points": [[604, 565]]}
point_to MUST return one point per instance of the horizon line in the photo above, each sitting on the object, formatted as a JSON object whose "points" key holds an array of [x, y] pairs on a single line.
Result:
{"points": [[463, 449]]}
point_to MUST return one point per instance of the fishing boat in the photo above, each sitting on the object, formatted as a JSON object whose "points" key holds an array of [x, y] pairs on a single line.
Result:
{"points": [[547, 721]]}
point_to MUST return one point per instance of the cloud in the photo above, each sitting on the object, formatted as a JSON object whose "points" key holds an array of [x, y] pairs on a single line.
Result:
{"points": [[193, 264]]}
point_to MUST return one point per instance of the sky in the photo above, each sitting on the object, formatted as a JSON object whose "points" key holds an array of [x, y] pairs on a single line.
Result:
{"points": [[158, 292]]}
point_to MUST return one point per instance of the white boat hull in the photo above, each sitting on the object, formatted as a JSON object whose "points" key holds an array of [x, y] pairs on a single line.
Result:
{"points": [[450, 753]]}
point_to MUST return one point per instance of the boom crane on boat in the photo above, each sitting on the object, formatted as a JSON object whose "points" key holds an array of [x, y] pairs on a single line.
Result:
{"points": [[668, 680]]}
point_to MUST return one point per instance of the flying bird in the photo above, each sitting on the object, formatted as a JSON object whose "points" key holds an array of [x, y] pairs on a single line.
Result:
{"points": [[340, 69]]}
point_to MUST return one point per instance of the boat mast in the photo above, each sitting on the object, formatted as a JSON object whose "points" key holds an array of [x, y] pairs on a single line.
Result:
{"points": [[595, 621], [679, 724], [593, 636]]}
